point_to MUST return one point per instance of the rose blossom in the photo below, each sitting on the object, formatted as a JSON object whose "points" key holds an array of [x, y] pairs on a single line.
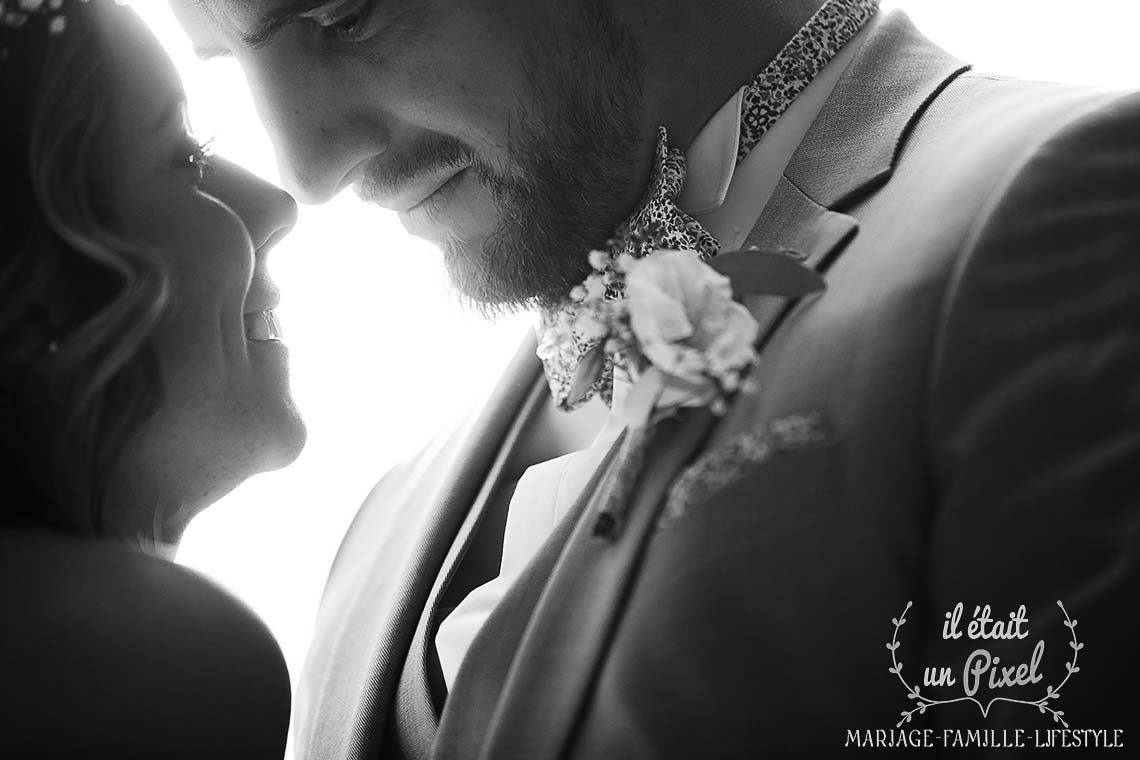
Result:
{"points": [[687, 325]]}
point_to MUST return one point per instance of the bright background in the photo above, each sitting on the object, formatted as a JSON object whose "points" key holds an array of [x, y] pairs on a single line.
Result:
{"points": [[382, 356]]}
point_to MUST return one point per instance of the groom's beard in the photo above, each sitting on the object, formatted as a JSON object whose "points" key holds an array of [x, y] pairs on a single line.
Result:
{"points": [[574, 157]]}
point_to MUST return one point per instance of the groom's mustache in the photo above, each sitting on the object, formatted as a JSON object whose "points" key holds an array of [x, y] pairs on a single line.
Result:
{"points": [[399, 181]]}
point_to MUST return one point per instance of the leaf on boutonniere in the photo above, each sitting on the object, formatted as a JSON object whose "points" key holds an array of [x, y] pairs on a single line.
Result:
{"points": [[757, 272], [587, 372]]}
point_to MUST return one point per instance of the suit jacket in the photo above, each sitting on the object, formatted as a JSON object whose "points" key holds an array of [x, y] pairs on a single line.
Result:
{"points": [[956, 418]]}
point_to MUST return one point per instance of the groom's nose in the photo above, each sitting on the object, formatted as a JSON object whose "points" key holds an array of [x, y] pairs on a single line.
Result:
{"points": [[322, 133]]}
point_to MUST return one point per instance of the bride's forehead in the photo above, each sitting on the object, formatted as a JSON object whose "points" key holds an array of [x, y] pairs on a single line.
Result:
{"points": [[144, 73], [137, 51]]}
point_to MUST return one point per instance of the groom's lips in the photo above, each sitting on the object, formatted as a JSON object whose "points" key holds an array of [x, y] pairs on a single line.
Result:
{"points": [[448, 209], [411, 195], [435, 195]]}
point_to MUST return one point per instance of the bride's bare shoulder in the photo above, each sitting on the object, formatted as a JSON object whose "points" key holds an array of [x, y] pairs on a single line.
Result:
{"points": [[108, 652]]}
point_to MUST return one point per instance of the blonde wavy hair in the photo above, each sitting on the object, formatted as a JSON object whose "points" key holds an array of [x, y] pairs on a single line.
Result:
{"points": [[78, 301]]}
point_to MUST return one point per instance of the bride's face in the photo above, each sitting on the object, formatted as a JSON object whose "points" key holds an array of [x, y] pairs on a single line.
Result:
{"points": [[226, 410]]}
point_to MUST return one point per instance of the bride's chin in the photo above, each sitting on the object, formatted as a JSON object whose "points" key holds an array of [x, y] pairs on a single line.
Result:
{"points": [[288, 441], [282, 433], [283, 443]]}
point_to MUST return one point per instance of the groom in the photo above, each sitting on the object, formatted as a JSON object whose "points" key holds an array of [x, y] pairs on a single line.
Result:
{"points": [[953, 418]]}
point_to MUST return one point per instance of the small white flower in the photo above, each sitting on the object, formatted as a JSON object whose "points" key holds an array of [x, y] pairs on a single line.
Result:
{"points": [[595, 288], [599, 260], [590, 327]]}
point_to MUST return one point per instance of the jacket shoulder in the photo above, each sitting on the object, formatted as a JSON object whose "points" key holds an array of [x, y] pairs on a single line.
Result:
{"points": [[1042, 299]]}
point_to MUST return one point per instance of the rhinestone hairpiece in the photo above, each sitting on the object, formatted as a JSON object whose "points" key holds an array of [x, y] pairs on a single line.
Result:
{"points": [[17, 14]]}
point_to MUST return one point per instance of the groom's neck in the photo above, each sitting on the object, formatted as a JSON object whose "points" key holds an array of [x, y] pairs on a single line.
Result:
{"points": [[699, 52]]}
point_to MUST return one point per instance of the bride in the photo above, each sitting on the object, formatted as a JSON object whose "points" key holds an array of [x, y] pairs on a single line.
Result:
{"points": [[141, 378]]}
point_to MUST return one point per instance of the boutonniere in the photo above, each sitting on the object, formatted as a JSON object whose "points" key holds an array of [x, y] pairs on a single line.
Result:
{"points": [[670, 323]]}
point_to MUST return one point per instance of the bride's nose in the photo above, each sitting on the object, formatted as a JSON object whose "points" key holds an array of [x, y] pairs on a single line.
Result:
{"points": [[269, 212]]}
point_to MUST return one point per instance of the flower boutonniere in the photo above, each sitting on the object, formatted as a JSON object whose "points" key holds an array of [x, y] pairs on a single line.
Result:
{"points": [[668, 320]]}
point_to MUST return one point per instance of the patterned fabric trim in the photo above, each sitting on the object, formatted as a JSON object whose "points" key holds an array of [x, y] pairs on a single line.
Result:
{"points": [[797, 64], [726, 464]]}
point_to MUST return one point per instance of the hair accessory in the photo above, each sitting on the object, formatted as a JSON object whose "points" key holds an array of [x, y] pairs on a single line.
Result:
{"points": [[16, 15]]}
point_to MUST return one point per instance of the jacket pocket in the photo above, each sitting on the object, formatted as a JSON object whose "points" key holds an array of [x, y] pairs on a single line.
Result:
{"points": [[719, 473]]}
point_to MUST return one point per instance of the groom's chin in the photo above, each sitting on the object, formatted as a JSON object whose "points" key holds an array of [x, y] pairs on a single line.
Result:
{"points": [[477, 285], [505, 274]]}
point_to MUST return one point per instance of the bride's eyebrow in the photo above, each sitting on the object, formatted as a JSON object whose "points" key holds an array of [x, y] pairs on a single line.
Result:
{"points": [[175, 109]]}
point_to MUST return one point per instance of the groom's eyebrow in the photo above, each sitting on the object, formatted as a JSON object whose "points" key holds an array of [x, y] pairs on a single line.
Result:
{"points": [[273, 21], [262, 31], [206, 52]]}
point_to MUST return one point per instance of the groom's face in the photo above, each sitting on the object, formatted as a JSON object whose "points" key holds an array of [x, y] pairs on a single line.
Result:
{"points": [[509, 132]]}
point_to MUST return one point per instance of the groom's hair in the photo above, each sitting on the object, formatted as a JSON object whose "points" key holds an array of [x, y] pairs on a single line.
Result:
{"points": [[77, 300]]}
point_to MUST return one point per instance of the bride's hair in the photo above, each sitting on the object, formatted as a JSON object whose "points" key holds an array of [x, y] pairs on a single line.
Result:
{"points": [[77, 300]]}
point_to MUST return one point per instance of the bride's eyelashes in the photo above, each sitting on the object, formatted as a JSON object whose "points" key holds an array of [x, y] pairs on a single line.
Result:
{"points": [[345, 20], [194, 157]]}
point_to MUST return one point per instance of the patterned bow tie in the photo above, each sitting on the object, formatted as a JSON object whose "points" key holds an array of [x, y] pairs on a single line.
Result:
{"points": [[658, 223]]}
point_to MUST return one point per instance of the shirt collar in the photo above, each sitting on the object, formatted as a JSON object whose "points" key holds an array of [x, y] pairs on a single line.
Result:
{"points": [[711, 159]]}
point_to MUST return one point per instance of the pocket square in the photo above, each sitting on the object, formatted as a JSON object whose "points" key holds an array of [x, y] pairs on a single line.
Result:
{"points": [[718, 468]]}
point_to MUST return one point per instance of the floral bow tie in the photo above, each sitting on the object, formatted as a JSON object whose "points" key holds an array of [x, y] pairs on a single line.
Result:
{"points": [[575, 367]]}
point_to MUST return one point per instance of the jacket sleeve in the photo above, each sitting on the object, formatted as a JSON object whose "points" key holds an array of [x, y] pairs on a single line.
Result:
{"points": [[1034, 435]]}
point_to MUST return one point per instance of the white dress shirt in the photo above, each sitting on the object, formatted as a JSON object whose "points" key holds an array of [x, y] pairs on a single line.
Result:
{"points": [[727, 198]]}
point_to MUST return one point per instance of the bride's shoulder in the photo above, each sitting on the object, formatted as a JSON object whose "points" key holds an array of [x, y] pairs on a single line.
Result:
{"points": [[107, 652]]}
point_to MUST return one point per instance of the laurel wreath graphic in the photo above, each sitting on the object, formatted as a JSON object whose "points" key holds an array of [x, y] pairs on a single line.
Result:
{"points": [[923, 702]]}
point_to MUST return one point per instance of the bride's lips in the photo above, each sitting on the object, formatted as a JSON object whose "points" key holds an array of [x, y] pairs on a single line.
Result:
{"points": [[262, 326], [260, 321]]}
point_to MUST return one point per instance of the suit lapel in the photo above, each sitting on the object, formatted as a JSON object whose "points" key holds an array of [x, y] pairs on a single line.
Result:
{"points": [[416, 713], [795, 223], [540, 687], [384, 572], [849, 152], [855, 141], [478, 686], [563, 643]]}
